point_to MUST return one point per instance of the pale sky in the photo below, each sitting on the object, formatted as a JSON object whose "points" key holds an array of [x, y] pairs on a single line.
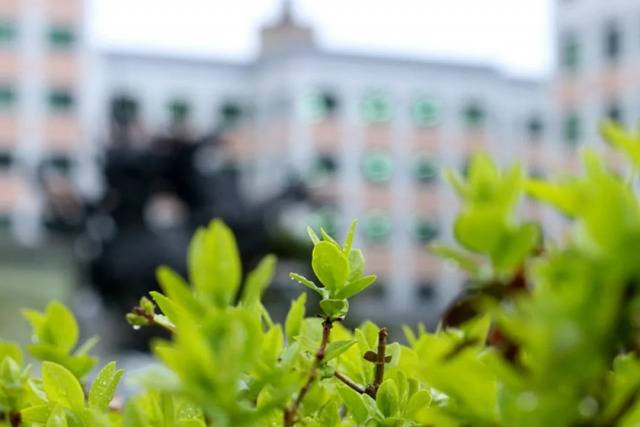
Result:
{"points": [[514, 35]]}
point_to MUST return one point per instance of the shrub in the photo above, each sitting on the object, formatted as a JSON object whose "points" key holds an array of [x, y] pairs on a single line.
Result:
{"points": [[547, 333]]}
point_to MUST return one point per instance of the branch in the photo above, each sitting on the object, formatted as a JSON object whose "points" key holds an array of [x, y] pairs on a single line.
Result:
{"points": [[372, 389], [349, 382], [154, 319], [291, 412]]}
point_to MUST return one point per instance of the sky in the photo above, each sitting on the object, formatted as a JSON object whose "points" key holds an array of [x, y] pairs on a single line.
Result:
{"points": [[514, 35]]}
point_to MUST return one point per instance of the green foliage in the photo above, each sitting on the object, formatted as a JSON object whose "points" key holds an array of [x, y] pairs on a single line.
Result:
{"points": [[548, 334]]}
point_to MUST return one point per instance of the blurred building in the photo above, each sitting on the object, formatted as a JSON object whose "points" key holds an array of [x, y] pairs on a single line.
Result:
{"points": [[369, 133], [45, 105]]}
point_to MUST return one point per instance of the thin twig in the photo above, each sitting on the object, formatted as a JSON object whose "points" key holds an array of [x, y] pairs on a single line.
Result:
{"points": [[15, 418], [291, 412], [372, 389], [151, 320], [349, 382]]}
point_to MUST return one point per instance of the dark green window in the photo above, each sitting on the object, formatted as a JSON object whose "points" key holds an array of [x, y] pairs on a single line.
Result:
{"points": [[323, 166], [321, 105], [179, 110], [61, 99], [7, 96], [612, 43], [425, 230], [6, 160], [535, 127], [60, 163], [473, 115], [124, 110], [8, 31], [425, 169], [427, 291], [230, 113], [614, 112], [426, 111], [377, 167], [376, 107], [377, 228], [572, 129], [61, 36], [570, 53]]}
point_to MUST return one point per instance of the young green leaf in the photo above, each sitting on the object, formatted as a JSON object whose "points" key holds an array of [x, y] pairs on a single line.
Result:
{"points": [[313, 236], [308, 283], [258, 280], [388, 398], [57, 418], [336, 348], [214, 263], [335, 308], [348, 241], [61, 386], [295, 317], [330, 265], [12, 350], [354, 403], [56, 326], [356, 287], [104, 386]]}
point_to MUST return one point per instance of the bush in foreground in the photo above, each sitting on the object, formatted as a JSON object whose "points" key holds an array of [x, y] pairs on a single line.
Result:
{"points": [[547, 333]]}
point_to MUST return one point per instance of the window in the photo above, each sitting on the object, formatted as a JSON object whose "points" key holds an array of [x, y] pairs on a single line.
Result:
{"points": [[425, 230], [7, 31], [321, 105], [534, 127], [426, 291], [376, 107], [378, 167], [614, 112], [612, 43], [473, 115], [61, 99], [377, 228], [230, 113], [60, 163], [425, 169], [569, 53], [572, 129], [426, 111], [61, 36], [179, 110], [7, 96], [124, 110], [6, 160]]}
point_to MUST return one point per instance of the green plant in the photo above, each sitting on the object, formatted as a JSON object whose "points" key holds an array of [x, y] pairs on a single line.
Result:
{"points": [[546, 334]]}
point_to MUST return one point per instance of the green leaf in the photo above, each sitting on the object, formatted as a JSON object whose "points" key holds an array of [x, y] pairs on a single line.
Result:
{"points": [[313, 236], [36, 414], [295, 316], [330, 265], [462, 260], [356, 287], [335, 308], [327, 237], [176, 289], [388, 399], [12, 350], [168, 307], [56, 326], [61, 386], [104, 386], [308, 283], [57, 418], [258, 280], [214, 263], [336, 348], [354, 403], [348, 241], [356, 264], [417, 401]]}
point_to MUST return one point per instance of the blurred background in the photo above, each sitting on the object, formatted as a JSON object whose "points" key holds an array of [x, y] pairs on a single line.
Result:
{"points": [[125, 124]]}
